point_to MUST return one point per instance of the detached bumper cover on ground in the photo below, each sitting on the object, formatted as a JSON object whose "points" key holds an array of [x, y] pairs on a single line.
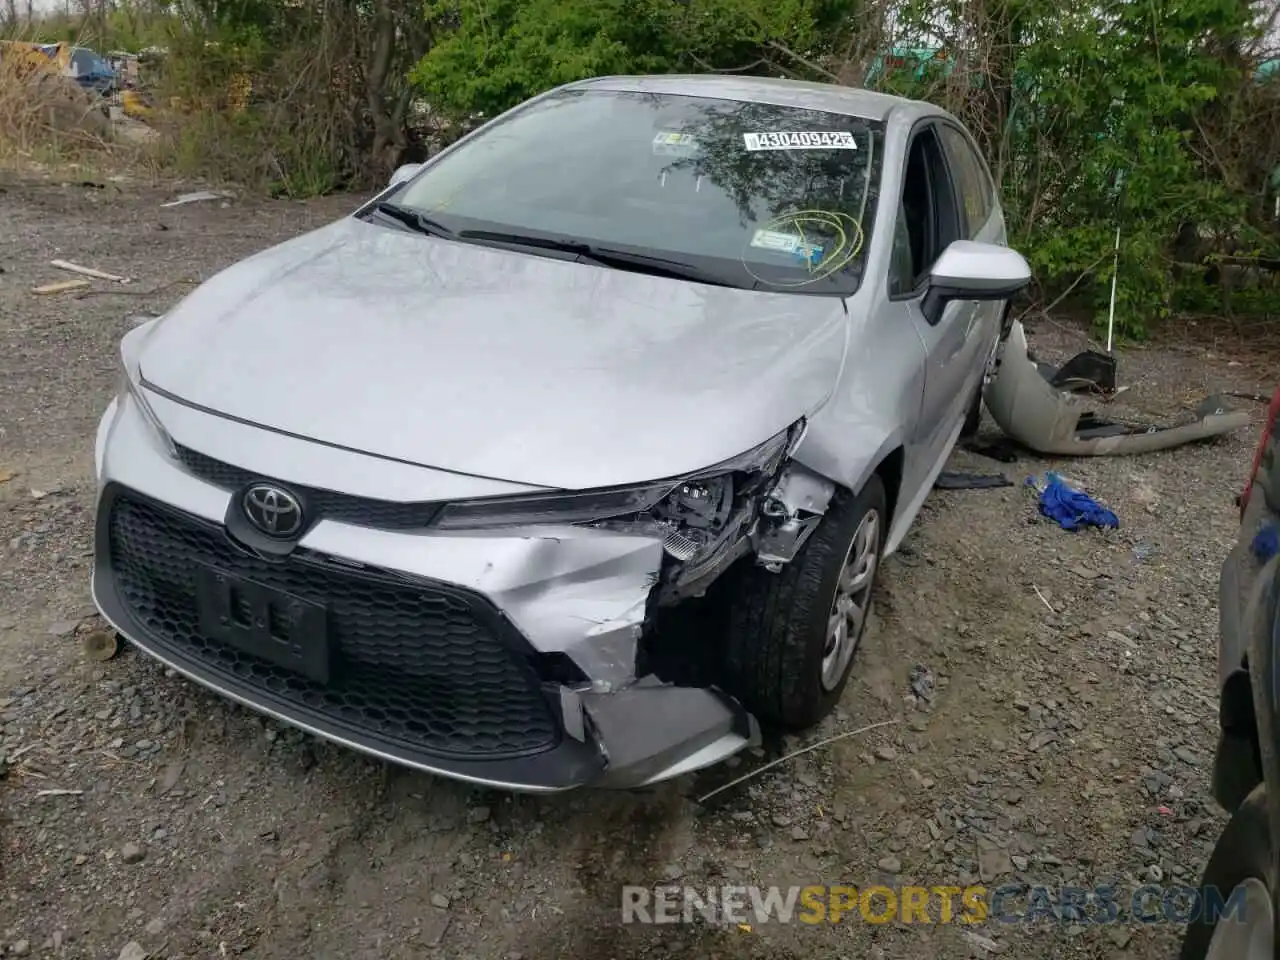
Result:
{"points": [[424, 671], [1048, 420]]}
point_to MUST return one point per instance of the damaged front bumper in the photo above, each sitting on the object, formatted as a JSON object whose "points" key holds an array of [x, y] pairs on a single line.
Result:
{"points": [[528, 640]]}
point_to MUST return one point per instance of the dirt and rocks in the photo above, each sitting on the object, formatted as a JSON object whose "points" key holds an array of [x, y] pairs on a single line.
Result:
{"points": [[1051, 698]]}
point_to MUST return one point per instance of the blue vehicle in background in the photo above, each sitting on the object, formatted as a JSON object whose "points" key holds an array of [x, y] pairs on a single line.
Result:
{"points": [[93, 72], [87, 69]]}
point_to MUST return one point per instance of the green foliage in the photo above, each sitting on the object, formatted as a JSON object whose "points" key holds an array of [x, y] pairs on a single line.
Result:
{"points": [[258, 96], [281, 160], [507, 49], [497, 53], [1114, 122], [124, 28]]}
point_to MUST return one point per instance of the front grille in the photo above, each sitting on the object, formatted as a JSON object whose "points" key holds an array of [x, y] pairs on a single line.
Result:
{"points": [[342, 507], [416, 666]]}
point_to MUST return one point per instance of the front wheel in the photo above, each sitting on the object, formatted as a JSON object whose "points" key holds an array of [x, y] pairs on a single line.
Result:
{"points": [[1240, 875], [792, 636]]}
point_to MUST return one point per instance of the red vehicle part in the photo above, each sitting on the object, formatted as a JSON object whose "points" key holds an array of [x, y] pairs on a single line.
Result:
{"points": [[1273, 410]]}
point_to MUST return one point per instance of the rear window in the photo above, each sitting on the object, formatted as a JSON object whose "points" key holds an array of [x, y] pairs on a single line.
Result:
{"points": [[767, 197]]}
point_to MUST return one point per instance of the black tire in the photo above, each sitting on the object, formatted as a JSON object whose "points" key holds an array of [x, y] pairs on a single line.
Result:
{"points": [[777, 622], [973, 419], [1243, 852]]}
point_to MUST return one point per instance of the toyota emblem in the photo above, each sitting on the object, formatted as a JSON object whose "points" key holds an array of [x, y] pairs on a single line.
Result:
{"points": [[275, 512]]}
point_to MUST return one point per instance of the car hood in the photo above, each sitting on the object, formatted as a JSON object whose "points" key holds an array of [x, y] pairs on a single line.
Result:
{"points": [[494, 363]]}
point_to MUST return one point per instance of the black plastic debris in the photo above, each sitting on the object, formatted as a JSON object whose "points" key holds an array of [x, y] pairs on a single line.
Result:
{"points": [[971, 481], [1003, 450]]}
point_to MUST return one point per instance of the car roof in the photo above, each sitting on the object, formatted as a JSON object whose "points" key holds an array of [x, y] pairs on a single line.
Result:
{"points": [[829, 97]]}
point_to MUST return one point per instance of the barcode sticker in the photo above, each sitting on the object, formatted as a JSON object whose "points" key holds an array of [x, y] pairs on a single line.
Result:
{"points": [[791, 140]]}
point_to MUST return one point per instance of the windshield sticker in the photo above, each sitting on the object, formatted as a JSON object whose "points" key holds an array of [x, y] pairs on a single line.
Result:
{"points": [[672, 142], [786, 234], [773, 240], [790, 140], [810, 253], [787, 243]]}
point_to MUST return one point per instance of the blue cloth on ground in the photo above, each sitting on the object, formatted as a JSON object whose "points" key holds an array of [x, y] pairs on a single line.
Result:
{"points": [[1072, 509], [1266, 542]]}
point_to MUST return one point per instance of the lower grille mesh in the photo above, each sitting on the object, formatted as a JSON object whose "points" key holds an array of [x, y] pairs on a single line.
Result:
{"points": [[415, 666]]}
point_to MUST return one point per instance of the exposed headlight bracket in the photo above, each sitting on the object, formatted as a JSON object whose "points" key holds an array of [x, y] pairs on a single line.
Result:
{"points": [[791, 512], [707, 520]]}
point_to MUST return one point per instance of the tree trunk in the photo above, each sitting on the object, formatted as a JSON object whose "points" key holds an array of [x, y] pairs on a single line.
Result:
{"points": [[388, 136]]}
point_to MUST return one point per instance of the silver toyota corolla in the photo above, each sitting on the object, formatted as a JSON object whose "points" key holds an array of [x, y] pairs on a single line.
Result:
{"points": [[443, 481]]}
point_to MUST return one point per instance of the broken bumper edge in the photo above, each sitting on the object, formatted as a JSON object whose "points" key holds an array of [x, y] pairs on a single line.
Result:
{"points": [[653, 733], [637, 737]]}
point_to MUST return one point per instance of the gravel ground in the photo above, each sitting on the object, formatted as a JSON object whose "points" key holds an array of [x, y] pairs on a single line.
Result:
{"points": [[1051, 697]]}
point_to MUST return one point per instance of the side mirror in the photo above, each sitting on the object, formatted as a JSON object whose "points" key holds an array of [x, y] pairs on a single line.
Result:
{"points": [[968, 270], [404, 172]]}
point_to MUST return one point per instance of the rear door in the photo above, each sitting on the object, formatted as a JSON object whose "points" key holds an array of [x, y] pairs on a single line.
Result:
{"points": [[979, 213]]}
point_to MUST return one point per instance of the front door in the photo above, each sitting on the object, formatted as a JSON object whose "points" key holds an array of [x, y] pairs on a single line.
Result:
{"points": [[928, 221]]}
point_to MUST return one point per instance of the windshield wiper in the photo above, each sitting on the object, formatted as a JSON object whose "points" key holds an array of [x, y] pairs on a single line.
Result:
{"points": [[660, 266], [414, 220], [604, 256]]}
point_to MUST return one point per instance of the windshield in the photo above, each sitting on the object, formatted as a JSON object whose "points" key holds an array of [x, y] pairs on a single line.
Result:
{"points": [[756, 195]]}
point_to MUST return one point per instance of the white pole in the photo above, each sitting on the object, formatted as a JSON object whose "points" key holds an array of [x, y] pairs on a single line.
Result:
{"points": [[1115, 271]]}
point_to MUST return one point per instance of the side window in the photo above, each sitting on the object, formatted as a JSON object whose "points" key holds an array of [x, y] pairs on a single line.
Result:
{"points": [[927, 220], [902, 262], [971, 178]]}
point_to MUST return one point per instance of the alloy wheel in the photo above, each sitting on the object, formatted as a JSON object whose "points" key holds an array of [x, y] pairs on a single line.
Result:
{"points": [[852, 601]]}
